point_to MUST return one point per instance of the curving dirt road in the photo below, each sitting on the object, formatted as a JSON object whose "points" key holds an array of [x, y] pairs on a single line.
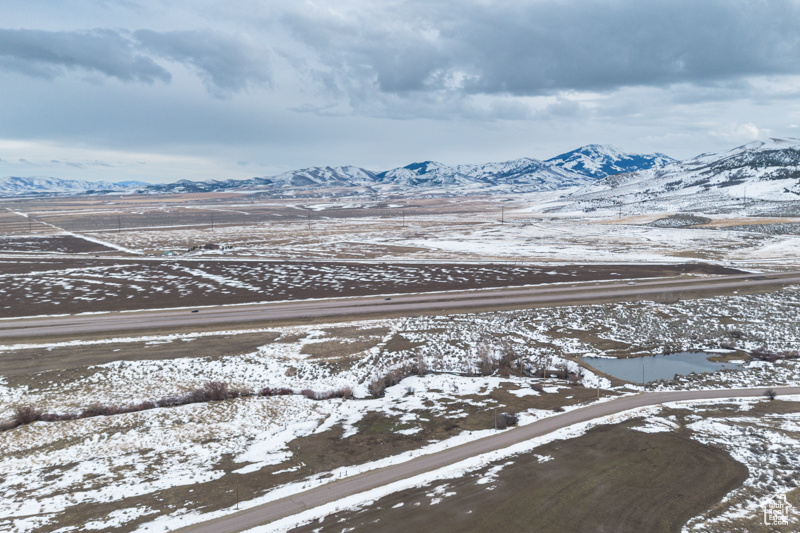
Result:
{"points": [[336, 490], [433, 303]]}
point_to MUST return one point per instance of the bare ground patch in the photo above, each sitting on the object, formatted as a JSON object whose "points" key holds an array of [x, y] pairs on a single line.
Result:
{"points": [[58, 286], [61, 360], [337, 349], [62, 244], [610, 479]]}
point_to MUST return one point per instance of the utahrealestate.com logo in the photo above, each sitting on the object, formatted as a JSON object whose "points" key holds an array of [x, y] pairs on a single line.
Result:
{"points": [[776, 511]]}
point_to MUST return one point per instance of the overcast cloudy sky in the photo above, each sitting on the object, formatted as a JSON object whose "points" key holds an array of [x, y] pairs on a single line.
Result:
{"points": [[159, 91]]}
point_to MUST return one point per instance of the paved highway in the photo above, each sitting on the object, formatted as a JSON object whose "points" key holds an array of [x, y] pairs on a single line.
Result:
{"points": [[375, 306], [336, 490]]}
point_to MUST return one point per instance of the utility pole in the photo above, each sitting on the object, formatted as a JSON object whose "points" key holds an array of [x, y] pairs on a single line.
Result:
{"points": [[309, 219], [119, 223], [30, 224], [502, 215], [404, 218]]}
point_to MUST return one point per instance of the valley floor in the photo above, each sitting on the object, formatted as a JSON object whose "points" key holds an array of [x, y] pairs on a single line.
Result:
{"points": [[419, 384]]}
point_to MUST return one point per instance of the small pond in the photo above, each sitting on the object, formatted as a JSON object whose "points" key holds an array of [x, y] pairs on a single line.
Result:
{"points": [[655, 367]]}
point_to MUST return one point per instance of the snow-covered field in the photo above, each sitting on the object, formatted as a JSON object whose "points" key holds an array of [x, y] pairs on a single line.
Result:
{"points": [[763, 442], [65, 285], [525, 235], [531, 227], [53, 469], [120, 471]]}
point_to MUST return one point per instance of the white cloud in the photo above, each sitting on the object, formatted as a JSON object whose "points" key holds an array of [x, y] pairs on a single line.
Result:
{"points": [[62, 160], [740, 133]]}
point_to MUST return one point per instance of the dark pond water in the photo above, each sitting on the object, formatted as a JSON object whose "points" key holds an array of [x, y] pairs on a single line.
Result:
{"points": [[655, 367]]}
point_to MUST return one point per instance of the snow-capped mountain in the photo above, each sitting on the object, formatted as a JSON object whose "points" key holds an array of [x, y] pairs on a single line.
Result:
{"points": [[307, 178], [346, 176], [763, 170], [599, 161], [16, 186], [577, 168], [520, 173], [602, 176]]}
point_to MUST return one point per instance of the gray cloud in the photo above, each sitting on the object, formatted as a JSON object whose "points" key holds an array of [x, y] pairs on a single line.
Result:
{"points": [[48, 54], [87, 164], [546, 46], [381, 84], [225, 63]]}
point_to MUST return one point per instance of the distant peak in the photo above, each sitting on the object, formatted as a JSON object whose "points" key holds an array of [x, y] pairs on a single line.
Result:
{"points": [[757, 146], [423, 166], [599, 148], [591, 150]]}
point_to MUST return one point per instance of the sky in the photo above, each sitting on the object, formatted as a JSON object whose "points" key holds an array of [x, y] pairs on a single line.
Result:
{"points": [[203, 89]]}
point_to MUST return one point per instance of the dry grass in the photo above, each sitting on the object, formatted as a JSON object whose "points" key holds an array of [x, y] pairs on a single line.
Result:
{"points": [[397, 343], [338, 349], [750, 221], [611, 479], [46, 364]]}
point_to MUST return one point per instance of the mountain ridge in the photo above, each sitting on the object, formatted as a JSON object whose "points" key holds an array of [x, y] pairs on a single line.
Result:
{"points": [[761, 170], [518, 175], [576, 168], [43, 185], [600, 161]]}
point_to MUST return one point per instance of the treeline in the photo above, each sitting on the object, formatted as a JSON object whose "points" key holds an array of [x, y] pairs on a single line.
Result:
{"points": [[213, 391]]}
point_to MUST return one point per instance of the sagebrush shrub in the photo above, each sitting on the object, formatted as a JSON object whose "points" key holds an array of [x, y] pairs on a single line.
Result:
{"points": [[25, 414]]}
